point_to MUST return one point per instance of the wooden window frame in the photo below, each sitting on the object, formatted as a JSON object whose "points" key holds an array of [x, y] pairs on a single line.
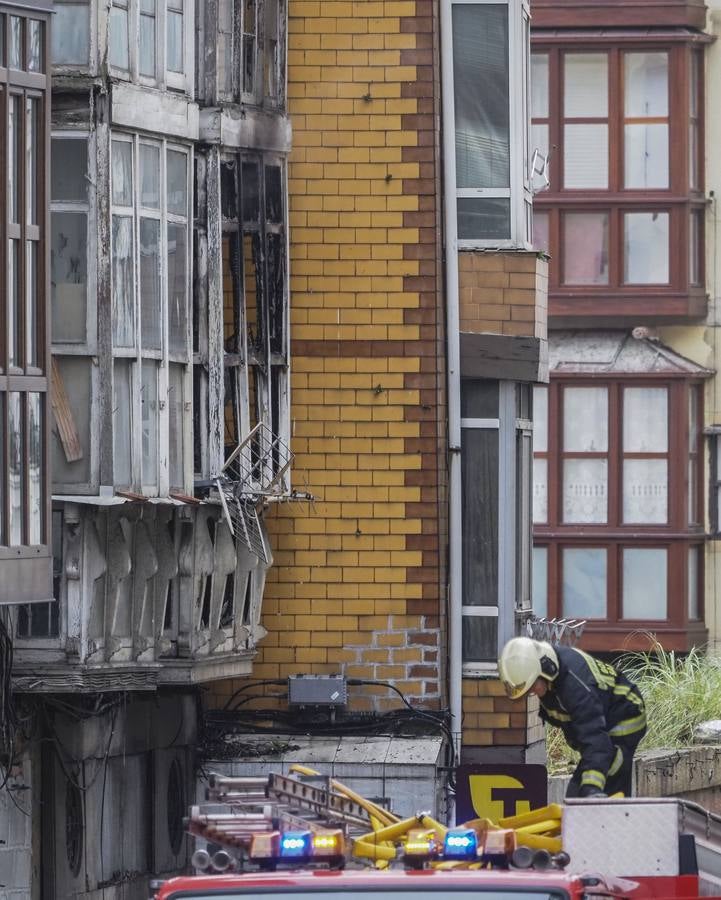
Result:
{"points": [[677, 535], [136, 354], [27, 567], [679, 298]]}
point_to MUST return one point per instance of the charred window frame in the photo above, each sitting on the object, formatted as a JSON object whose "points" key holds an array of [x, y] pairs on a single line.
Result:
{"points": [[151, 42], [250, 60], [255, 308], [150, 275], [25, 550]]}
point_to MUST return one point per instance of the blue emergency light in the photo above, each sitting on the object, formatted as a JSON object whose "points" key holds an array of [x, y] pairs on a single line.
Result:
{"points": [[460, 843], [296, 844]]}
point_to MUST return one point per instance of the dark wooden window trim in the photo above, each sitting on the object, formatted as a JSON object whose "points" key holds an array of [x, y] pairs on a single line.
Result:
{"points": [[28, 567], [678, 299], [676, 535]]}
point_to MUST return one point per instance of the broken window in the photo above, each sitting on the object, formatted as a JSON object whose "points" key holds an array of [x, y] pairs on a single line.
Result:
{"points": [[150, 293], [249, 63], [255, 298]]}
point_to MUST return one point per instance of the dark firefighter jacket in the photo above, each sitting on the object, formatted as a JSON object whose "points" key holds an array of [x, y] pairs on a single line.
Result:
{"points": [[594, 705]]}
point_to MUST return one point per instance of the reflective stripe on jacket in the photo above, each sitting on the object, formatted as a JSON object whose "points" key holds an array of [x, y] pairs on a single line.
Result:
{"points": [[592, 703]]}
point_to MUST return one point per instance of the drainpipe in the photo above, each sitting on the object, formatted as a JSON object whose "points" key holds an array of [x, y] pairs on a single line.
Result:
{"points": [[455, 621]]}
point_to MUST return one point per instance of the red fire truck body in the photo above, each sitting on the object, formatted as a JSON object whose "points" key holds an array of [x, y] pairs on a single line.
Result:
{"points": [[425, 884]]}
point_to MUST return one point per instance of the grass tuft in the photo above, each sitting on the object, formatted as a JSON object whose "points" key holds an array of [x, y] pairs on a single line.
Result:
{"points": [[680, 693]]}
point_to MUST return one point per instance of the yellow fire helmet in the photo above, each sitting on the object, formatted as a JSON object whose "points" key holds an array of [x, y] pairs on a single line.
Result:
{"points": [[522, 662]]}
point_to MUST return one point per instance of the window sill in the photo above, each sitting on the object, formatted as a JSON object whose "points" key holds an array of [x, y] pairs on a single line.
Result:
{"points": [[655, 303]]}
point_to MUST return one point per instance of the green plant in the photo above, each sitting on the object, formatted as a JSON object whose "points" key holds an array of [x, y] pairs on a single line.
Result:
{"points": [[680, 692]]}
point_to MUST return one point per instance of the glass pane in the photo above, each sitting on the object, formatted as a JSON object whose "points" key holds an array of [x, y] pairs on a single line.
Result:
{"points": [[14, 151], [480, 639], [13, 306], [146, 56], [584, 583], [273, 195], [645, 420], [484, 219], [539, 141], [539, 85], [644, 584], [585, 420], [175, 418], [692, 419], [122, 173], [175, 41], [3, 482], [646, 248], [150, 176], [177, 290], [479, 399], [646, 156], [248, 64], [270, 54], [122, 422], [585, 490], [31, 304], [250, 190], [35, 46], [149, 413], [177, 178], [540, 419], [118, 38], [645, 491], [540, 231], [645, 83], [694, 249], [694, 609], [16, 475], [224, 48], [69, 162], [122, 282], [35, 469], [70, 34], [693, 166], [585, 248], [32, 145], [480, 57], [75, 372], [692, 504], [585, 156], [479, 476], [585, 85], [68, 276], [540, 491], [150, 300], [15, 52], [539, 581]]}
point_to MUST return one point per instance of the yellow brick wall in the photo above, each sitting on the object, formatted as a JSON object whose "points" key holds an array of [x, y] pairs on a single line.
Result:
{"points": [[491, 719], [503, 293], [355, 585]]}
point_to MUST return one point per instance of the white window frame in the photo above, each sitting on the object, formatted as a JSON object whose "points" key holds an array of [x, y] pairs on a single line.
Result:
{"points": [[137, 353], [507, 425], [88, 348], [163, 78], [519, 190]]}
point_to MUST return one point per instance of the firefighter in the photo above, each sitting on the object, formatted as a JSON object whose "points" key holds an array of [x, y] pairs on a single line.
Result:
{"points": [[600, 712]]}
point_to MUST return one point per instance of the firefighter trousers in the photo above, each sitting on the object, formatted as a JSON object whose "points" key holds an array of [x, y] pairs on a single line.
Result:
{"points": [[619, 778]]}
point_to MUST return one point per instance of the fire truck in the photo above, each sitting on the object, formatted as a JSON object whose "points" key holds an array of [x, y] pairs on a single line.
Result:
{"points": [[302, 835]]}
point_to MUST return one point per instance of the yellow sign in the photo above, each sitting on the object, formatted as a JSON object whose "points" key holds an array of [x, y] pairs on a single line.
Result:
{"points": [[497, 792]]}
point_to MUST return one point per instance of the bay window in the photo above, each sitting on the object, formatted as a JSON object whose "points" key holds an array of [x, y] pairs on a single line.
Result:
{"points": [[150, 326], [24, 362], [490, 43], [616, 505], [619, 186]]}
